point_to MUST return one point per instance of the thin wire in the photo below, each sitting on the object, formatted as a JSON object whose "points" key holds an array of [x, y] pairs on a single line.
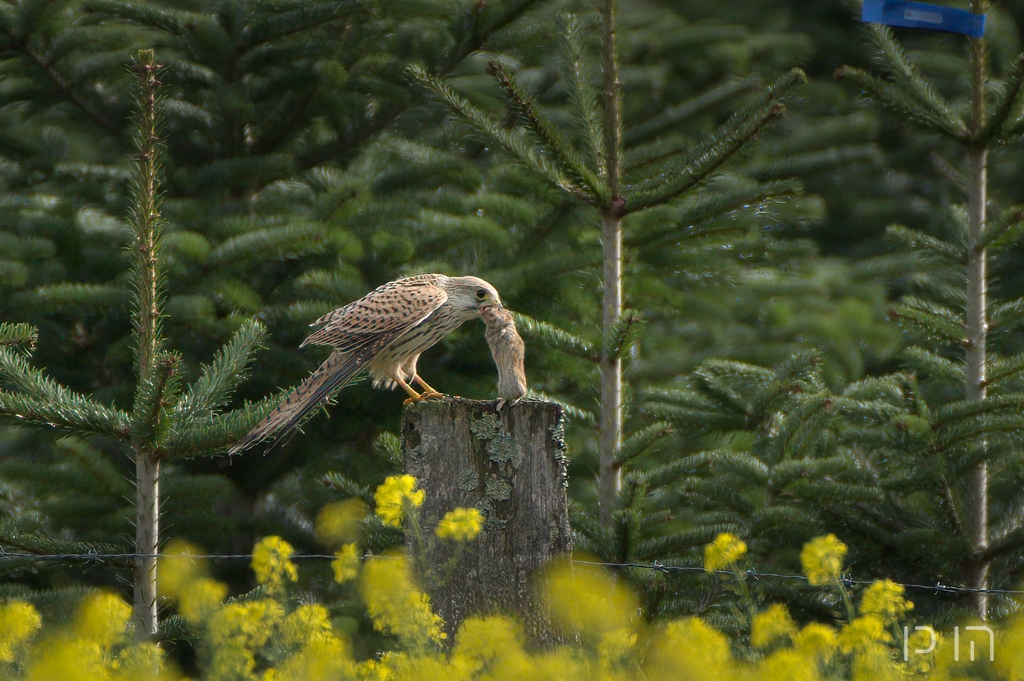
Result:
{"points": [[847, 581], [97, 557]]}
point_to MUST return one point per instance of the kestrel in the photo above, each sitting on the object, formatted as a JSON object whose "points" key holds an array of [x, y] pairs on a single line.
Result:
{"points": [[508, 351], [383, 332]]}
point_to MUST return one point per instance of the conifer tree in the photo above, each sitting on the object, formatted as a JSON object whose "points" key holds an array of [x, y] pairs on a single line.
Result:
{"points": [[964, 316], [587, 164], [168, 420]]}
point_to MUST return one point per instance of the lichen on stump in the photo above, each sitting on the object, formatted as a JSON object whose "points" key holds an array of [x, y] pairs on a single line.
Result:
{"points": [[511, 466]]}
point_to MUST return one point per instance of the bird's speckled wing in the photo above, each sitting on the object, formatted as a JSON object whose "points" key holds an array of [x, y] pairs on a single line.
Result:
{"points": [[388, 311]]}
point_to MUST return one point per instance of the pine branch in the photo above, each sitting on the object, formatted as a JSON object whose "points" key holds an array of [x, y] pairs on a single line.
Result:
{"points": [[18, 335], [1006, 100], [1004, 231], [152, 400], [933, 319], [919, 240], [555, 337], [74, 413], [348, 486], [76, 295], [893, 97], [927, 363], [715, 150], [552, 139], [708, 205], [572, 412], [1005, 368], [583, 102], [272, 242], [1006, 315], [513, 141], [213, 435], [218, 380], [622, 334], [671, 117], [954, 414], [640, 443], [43, 400]]}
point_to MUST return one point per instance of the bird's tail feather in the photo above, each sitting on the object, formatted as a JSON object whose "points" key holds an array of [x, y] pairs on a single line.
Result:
{"points": [[335, 373]]}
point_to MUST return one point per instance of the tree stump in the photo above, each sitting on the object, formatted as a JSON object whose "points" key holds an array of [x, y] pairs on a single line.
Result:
{"points": [[509, 464]]}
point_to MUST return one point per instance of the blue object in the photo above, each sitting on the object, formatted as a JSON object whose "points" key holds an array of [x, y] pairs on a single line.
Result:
{"points": [[921, 15]]}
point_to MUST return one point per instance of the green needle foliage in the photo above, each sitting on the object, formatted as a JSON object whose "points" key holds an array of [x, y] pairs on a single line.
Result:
{"points": [[165, 422]]}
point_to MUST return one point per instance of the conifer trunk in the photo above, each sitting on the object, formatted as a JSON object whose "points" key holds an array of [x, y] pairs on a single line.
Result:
{"points": [[147, 542], [510, 465], [976, 313], [610, 475], [146, 318]]}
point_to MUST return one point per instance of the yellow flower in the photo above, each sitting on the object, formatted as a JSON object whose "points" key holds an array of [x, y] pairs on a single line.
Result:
{"points": [[822, 559], [324, 659], [460, 524], [862, 633], [588, 600], [338, 522], [816, 640], [396, 606], [689, 649], [18, 621], [723, 552], [200, 598], [235, 632], [922, 663], [885, 599], [308, 623], [790, 665], [346, 564], [771, 625], [392, 496], [178, 566], [103, 619], [484, 639], [271, 563]]}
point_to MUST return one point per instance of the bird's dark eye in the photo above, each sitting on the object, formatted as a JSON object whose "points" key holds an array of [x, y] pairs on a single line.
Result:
{"points": [[481, 293]]}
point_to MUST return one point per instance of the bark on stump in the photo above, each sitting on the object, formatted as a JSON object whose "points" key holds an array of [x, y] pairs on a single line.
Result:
{"points": [[511, 466]]}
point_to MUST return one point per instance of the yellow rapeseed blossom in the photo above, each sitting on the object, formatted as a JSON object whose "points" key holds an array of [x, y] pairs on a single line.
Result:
{"points": [[689, 649], [771, 625], [396, 606], [178, 566], [922, 663], [271, 561], [723, 552], [338, 522], [884, 598], [393, 494], [862, 633], [816, 639], [200, 598], [460, 524], [346, 563], [588, 600], [1011, 637], [325, 659], [66, 658], [481, 641], [822, 559], [234, 633], [788, 664], [18, 621], [103, 619], [307, 623]]}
